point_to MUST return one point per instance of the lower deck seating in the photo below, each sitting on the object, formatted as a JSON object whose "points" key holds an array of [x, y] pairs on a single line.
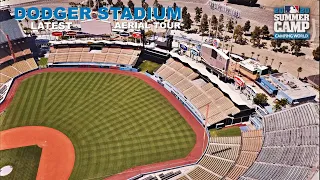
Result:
{"points": [[32, 63], [108, 55], [250, 147], [10, 71], [200, 96], [183, 178], [199, 174], [16, 69], [4, 78], [236, 172], [22, 66], [210, 162]]}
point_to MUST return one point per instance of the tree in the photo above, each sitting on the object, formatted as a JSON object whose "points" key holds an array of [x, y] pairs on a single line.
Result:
{"points": [[258, 55], [221, 17], [280, 63], [230, 25], [296, 46], [110, 2], [284, 49], [204, 26], [277, 107], [266, 61], [252, 53], [160, 7], [280, 103], [299, 71], [220, 28], [246, 26], [279, 42], [90, 3], [243, 55], [119, 4], [265, 31], [255, 35], [214, 22], [174, 6], [232, 46], [99, 3], [198, 14], [156, 3], [316, 54], [145, 5], [260, 99], [131, 6], [271, 62], [274, 44], [237, 33], [187, 22], [184, 12], [149, 33]]}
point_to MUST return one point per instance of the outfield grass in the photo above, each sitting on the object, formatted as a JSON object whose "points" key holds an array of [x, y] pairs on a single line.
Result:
{"points": [[226, 132], [149, 66], [24, 160], [43, 61], [115, 122]]}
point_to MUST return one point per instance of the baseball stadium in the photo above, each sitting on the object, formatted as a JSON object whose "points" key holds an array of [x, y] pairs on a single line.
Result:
{"points": [[116, 110]]}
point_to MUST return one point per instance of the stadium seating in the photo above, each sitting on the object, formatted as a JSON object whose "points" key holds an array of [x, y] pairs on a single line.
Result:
{"points": [[108, 55], [199, 174], [219, 158], [182, 78], [76, 49], [32, 63], [4, 78], [10, 71], [17, 69], [291, 145], [183, 178], [22, 66]]}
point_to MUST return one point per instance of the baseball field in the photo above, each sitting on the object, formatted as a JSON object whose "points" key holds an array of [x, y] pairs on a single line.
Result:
{"points": [[115, 122]]}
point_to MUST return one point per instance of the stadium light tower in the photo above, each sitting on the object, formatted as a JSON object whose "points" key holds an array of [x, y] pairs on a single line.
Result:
{"points": [[10, 45]]}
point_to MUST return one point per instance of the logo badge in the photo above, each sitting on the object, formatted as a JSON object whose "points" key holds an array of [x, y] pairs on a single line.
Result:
{"points": [[291, 23]]}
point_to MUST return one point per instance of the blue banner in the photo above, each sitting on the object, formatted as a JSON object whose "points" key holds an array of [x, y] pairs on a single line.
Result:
{"points": [[292, 36]]}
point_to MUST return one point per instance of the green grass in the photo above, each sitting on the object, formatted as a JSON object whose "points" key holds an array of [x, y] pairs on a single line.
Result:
{"points": [[24, 160], [115, 122], [226, 132], [43, 61], [149, 65]]}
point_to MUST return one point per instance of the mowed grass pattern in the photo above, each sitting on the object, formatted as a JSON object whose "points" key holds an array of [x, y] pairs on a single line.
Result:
{"points": [[115, 122], [24, 160]]}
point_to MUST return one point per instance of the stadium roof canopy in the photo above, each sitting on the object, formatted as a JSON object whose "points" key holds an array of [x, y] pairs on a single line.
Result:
{"points": [[10, 26]]}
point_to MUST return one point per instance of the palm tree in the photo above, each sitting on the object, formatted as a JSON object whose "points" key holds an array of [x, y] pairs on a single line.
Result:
{"points": [[258, 55], [272, 62], [231, 48], [243, 55], [299, 70], [252, 53], [280, 63], [265, 62]]}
